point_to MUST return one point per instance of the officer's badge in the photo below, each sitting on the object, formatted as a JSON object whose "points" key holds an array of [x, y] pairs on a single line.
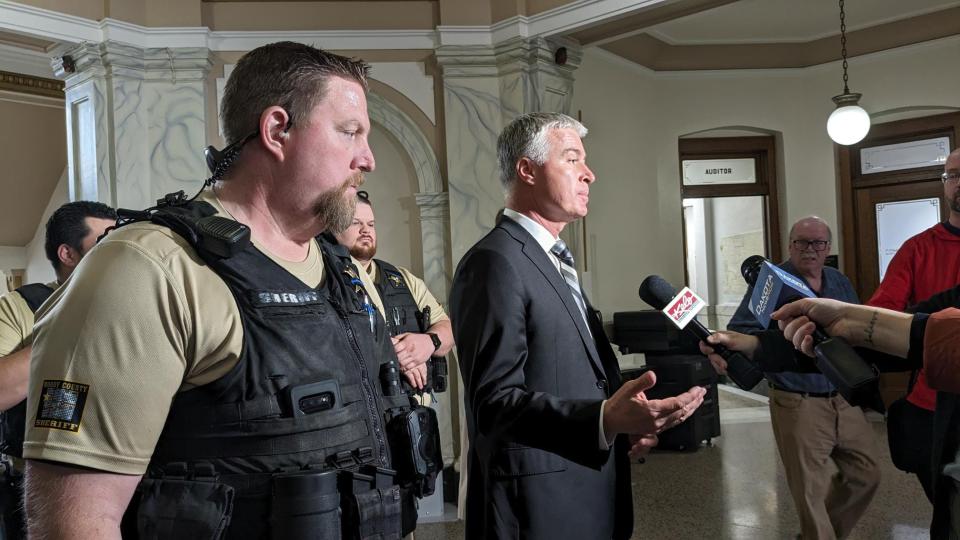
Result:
{"points": [[395, 281]]}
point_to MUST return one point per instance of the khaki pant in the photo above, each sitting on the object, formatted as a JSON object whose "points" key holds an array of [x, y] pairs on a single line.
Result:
{"points": [[814, 434]]}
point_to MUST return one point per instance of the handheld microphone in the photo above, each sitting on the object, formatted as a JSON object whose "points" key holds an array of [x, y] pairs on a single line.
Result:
{"points": [[658, 293], [773, 287]]}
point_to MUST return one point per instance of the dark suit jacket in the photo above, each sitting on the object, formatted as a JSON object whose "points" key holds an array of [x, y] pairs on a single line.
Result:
{"points": [[535, 379]]}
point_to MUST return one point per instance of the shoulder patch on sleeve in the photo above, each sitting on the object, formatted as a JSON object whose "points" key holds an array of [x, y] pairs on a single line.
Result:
{"points": [[61, 405]]}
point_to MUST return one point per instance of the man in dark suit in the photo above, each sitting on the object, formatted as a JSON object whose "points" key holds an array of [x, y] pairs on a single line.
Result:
{"points": [[547, 413]]}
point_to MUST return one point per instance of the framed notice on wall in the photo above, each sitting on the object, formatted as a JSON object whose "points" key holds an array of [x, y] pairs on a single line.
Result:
{"points": [[898, 221], [707, 172]]}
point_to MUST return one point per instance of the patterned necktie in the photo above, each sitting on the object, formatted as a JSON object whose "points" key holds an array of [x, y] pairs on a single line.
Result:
{"points": [[569, 273]]}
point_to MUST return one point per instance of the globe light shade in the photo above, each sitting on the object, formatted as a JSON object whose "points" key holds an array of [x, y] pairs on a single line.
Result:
{"points": [[849, 123]]}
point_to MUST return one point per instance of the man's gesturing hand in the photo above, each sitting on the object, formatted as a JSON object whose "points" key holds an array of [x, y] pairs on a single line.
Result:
{"points": [[629, 410]]}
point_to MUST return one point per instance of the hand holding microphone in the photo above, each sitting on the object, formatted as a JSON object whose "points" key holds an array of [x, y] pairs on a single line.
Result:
{"points": [[773, 287], [661, 295]]}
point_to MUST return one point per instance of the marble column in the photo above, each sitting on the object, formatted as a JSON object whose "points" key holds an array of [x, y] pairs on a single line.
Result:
{"points": [[135, 121], [434, 235]]}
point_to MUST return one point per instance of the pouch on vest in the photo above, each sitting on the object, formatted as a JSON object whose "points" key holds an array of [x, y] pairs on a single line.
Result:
{"points": [[415, 442], [377, 514], [305, 504], [371, 503], [180, 508]]}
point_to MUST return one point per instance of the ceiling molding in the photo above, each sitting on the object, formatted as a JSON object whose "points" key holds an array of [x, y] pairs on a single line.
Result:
{"points": [[28, 84], [834, 33], [24, 61], [48, 24], [636, 22], [358, 40], [908, 50], [584, 13], [56, 26], [647, 50], [465, 36]]}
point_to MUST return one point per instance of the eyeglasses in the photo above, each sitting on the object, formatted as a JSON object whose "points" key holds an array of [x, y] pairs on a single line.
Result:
{"points": [[817, 245], [951, 176], [361, 194]]}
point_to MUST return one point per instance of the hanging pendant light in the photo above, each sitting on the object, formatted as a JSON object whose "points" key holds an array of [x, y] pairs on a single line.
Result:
{"points": [[849, 123]]}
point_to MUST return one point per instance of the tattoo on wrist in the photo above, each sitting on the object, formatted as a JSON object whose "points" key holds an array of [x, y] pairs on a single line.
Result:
{"points": [[870, 328]]}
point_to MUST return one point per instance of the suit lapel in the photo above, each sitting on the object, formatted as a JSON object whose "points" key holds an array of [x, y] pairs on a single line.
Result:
{"points": [[532, 250], [604, 350]]}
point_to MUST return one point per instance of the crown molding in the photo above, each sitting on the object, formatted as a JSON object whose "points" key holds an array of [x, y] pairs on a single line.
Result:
{"points": [[24, 61], [580, 14], [34, 21], [45, 23], [28, 84], [327, 39], [60, 27], [465, 36]]}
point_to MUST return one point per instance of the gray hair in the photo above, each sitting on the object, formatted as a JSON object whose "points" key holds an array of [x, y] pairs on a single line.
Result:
{"points": [[526, 137], [817, 219]]}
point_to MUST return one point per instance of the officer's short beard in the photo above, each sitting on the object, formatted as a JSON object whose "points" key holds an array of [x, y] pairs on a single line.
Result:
{"points": [[363, 253], [335, 208], [955, 202]]}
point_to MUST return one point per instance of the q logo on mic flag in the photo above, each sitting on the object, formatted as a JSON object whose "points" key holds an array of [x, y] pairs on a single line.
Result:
{"points": [[684, 307], [774, 288]]}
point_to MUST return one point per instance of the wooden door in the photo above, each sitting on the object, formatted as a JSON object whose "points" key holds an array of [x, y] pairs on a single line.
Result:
{"points": [[860, 194], [867, 199]]}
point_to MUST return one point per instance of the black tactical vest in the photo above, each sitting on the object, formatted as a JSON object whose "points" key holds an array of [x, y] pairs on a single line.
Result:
{"points": [[400, 308], [12, 425], [264, 416]]}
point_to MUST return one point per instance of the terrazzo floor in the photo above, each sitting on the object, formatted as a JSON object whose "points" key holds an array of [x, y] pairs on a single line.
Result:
{"points": [[736, 489]]}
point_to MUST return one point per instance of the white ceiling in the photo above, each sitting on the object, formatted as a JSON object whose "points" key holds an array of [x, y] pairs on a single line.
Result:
{"points": [[787, 21]]}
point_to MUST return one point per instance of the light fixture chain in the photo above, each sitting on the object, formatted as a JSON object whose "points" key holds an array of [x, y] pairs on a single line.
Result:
{"points": [[843, 46]]}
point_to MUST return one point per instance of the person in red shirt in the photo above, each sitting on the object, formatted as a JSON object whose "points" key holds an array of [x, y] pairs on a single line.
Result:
{"points": [[926, 264]]}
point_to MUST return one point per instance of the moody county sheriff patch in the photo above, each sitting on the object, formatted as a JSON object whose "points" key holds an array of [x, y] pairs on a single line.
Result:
{"points": [[61, 405]]}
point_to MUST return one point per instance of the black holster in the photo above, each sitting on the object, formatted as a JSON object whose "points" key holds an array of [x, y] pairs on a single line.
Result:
{"points": [[415, 444]]}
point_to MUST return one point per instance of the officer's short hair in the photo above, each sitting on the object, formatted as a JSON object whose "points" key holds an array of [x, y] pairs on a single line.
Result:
{"points": [[68, 226], [290, 75], [526, 137]]}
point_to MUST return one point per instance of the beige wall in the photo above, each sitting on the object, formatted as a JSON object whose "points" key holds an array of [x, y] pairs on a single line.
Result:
{"points": [[464, 12], [142, 12], [620, 244], [38, 267], [636, 116], [88, 9]]}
